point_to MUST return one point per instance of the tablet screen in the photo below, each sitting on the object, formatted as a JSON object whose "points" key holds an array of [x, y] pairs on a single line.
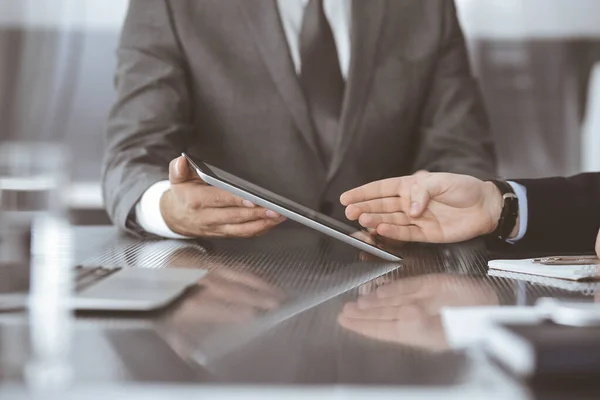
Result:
{"points": [[284, 202]]}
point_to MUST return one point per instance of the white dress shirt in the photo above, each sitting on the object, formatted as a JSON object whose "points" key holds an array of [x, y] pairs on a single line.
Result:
{"points": [[291, 12]]}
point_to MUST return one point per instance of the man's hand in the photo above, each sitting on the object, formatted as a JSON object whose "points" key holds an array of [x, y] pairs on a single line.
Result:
{"points": [[426, 207], [192, 208]]}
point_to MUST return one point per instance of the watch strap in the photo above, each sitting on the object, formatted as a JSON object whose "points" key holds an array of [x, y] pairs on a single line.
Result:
{"points": [[510, 210]]}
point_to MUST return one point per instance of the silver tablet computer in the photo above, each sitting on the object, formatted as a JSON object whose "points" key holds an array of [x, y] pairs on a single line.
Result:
{"points": [[329, 226]]}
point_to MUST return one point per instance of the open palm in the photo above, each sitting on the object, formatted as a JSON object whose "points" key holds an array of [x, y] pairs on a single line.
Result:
{"points": [[430, 207]]}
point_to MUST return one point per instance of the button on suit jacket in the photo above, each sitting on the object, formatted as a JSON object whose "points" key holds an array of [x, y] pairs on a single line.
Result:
{"points": [[215, 78]]}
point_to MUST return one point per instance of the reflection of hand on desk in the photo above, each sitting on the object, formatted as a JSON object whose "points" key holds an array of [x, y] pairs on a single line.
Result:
{"points": [[228, 295], [407, 310], [225, 296], [227, 292]]}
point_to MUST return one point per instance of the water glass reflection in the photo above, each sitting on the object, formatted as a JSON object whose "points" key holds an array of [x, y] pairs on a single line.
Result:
{"points": [[35, 253]]}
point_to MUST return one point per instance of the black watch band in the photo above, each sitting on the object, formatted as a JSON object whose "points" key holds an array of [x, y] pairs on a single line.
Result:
{"points": [[510, 210]]}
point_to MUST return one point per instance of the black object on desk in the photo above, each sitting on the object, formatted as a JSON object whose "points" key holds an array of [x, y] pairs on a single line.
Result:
{"points": [[547, 350]]}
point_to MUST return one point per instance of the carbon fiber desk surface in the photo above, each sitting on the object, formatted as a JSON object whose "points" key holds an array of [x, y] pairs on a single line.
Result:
{"points": [[282, 309]]}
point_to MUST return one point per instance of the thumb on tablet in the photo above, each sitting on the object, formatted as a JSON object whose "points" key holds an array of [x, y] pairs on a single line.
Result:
{"points": [[181, 172]]}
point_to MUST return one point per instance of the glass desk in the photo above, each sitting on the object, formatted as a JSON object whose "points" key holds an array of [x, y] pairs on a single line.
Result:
{"points": [[293, 310]]}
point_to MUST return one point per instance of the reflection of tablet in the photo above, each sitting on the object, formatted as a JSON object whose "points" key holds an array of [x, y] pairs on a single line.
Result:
{"points": [[290, 209]]}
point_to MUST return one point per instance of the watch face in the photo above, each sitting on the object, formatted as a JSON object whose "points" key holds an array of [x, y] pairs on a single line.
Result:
{"points": [[510, 214]]}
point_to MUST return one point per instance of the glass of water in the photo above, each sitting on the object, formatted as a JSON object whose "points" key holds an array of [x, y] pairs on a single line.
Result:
{"points": [[35, 254]]}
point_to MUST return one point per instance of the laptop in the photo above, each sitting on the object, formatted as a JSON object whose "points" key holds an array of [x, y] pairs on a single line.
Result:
{"points": [[106, 288]]}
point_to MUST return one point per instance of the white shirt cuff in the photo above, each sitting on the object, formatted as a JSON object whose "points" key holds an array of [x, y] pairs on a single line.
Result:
{"points": [[148, 215], [521, 192]]}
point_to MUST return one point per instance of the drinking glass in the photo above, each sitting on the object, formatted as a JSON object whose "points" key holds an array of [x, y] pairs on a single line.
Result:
{"points": [[35, 254]]}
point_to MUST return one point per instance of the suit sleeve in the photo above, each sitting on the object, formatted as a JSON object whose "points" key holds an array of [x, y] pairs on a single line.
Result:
{"points": [[455, 133], [150, 120], [564, 214]]}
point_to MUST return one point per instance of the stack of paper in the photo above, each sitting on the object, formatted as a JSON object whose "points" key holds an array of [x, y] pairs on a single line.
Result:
{"points": [[530, 267], [585, 287]]}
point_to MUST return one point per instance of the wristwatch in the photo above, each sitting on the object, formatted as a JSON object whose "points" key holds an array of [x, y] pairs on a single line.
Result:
{"points": [[510, 210]]}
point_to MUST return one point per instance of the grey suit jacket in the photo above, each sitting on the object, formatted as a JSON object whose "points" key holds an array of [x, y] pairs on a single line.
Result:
{"points": [[215, 78]]}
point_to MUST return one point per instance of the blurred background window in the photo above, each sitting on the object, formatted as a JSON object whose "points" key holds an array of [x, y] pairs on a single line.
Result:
{"points": [[57, 59], [535, 60]]}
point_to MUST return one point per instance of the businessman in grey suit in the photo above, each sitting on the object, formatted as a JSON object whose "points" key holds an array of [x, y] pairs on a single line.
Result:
{"points": [[308, 98]]}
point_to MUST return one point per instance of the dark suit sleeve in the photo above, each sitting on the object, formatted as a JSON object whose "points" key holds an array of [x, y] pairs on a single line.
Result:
{"points": [[563, 214], [455, 133], [150, 120]]}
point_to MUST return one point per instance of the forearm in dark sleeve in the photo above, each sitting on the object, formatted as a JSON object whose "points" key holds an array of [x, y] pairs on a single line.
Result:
{"points": [[150, 120], [564, 214]]}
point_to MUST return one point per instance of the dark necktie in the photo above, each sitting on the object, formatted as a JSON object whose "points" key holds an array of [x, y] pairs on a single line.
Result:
{"points": [[321, 77]]}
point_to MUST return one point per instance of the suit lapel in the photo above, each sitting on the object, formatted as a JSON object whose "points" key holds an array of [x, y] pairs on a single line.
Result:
{"points": [[367, 20], [265, 24]]}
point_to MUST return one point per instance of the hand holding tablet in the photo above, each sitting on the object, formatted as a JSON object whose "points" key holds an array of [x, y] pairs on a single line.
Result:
{"points": [[194, 209], [287, 208]]}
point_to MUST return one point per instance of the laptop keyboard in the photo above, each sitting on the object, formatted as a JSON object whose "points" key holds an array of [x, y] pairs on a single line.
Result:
{"points": [[87, 276]]}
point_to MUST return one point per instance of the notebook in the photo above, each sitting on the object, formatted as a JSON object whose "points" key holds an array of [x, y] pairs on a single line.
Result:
{"points": [[587, 288], [588, 270]]}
